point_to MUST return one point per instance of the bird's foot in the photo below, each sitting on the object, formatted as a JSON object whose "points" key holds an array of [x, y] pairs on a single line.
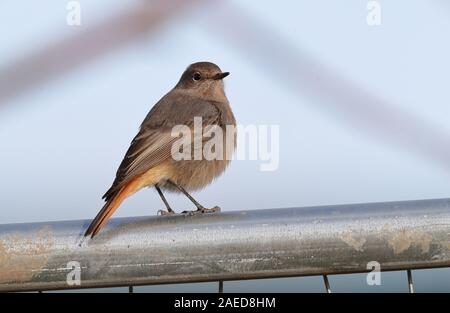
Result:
{"points": [[202, 210], [165, 213]]}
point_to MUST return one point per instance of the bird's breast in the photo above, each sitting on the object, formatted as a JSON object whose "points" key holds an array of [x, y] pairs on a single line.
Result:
{"points": [[201, 169]]}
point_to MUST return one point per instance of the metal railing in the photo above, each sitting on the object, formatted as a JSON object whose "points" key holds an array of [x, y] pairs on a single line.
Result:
{"points": [[227, 246]]}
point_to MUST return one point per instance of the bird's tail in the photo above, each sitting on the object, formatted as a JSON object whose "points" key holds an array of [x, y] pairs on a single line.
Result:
{"points": [[108, 209], [114, 199]]}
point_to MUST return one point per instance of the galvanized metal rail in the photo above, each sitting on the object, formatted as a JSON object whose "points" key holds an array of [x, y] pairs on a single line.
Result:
{"points": [[227, 246]]}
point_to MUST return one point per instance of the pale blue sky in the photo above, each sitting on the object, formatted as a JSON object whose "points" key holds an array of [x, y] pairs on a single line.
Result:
{"points": [[61, 144]]}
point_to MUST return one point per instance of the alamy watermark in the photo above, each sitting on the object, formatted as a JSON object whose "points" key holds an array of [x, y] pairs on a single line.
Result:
{"points": [[73, 17], [73, 277], [374, 276], [214, 142], [374, 13]]}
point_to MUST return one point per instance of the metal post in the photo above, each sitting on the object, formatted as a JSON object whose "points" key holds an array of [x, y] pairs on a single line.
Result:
{"points": [[327, 284], [227, 246], [410, 281]]}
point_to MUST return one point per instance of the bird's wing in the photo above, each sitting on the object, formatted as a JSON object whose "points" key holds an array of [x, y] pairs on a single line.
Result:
{"points": [[153, 144]]}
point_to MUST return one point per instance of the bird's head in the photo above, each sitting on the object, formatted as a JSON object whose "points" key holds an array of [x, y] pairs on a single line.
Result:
{"points": [[204, 78]]}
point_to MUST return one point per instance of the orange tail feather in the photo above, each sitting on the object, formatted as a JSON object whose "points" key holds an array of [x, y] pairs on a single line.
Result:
{"points": [[108, 209], [149, 178]]}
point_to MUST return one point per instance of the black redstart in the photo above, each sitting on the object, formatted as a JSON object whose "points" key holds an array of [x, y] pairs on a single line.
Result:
{"points": [[149, 162]]}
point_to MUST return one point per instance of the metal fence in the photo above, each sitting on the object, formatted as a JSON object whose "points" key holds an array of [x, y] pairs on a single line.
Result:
{"points": [[233, 245]]}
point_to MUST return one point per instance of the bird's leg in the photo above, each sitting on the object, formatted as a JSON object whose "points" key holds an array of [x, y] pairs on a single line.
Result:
{"points": [[200, 208], [169, 209]]}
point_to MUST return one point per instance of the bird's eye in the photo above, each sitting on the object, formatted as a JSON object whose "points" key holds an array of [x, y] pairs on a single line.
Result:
{"points": [[197, 76]]}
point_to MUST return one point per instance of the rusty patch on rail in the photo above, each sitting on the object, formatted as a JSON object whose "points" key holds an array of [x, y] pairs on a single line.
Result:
{"points": [[22, 257], [350, 238], [405, 238], [445, 244]]}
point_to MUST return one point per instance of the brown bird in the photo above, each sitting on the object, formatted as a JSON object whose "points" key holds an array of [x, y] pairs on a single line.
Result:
{"points": [[149, 162]]}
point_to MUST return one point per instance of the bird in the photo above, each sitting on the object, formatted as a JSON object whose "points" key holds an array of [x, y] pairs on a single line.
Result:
{"points": [[148, 161]]}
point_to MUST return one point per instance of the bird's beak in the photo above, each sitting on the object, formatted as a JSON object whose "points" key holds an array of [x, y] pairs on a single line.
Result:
{"points": [[221, 75]]}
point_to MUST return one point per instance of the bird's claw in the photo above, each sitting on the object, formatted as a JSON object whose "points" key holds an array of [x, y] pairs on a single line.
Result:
{"points": [[165, 213], [215, 209]]}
